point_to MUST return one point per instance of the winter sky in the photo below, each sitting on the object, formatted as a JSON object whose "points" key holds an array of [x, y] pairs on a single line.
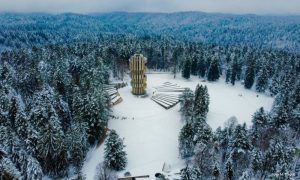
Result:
{"points": [[91, 6]]}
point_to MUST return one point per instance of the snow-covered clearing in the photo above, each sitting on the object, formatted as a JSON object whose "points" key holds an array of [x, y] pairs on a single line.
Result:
{"points": [[151, 132]]}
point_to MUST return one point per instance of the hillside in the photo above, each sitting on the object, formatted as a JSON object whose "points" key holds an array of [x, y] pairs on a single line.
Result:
{"points": [[280, 32]]}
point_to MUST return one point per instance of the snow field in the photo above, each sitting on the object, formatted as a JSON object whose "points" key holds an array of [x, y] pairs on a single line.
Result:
{"points": [[151, 132]]}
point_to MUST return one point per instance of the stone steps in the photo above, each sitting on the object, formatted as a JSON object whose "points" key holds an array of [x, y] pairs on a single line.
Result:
{"points": [[167, 95]]}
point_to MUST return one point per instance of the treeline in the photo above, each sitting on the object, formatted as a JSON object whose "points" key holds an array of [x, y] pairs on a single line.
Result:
{"points": [[27, 30], [268, 149]]}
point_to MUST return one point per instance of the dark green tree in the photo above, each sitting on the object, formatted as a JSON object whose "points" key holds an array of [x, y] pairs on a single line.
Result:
{"points": [[213, 70], [187, 104], [190, 173], [262, 80], [216, 171], [186, 71], [186, 143], [233, 71], [201, 102], [114, 154], [281, 113], [249, 76], [52, 151], [229, 170], [201, 67], [194, 66]]}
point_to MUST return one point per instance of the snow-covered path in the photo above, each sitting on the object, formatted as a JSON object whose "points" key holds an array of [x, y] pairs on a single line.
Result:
{"points": [[151, 132]]}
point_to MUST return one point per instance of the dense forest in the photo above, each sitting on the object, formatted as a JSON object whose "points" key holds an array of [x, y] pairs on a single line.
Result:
{"points": [[53, 107], [23, 30]]}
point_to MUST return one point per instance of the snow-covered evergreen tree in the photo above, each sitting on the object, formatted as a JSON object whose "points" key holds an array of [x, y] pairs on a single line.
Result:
{"points": [[114, 154], [8, 169], [213, 73], [228, 75], [234, 70], [281, 113], [33, 169], [186, 104], [229, 170], [186, 71], [262, 80], [216, 172], [249, 75], [260, 119], [294, 122], [51, 149], [77, 144], [257, 162], [18, 116], [202, 132], [201, 67], [240, 138], [194, 66], [190, 173], [186, 141], [204, 157], [260, 124], [201, 102], [92, 108]]}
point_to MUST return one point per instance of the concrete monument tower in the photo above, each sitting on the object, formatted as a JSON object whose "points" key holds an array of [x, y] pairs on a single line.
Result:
{"points": [[137, 73]]}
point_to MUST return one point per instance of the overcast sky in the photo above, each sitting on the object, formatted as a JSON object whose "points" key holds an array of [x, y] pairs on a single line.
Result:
{"points": [[88, 6]]}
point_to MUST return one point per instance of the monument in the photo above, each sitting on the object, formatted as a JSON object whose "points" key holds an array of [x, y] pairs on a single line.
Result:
{"points": [[137, 69]]}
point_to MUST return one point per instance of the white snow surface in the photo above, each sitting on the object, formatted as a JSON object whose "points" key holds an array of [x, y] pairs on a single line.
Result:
{"points": [[151, 132]]}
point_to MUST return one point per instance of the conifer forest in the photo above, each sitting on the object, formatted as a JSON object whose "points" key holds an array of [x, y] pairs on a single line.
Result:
{"points": [[57, 116]]}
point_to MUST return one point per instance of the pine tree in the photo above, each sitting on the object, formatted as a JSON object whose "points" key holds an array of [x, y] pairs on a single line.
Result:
{"points": [[190, 173], [260, 119], [295, 95], [186, 104], [233, 72], [18, 117], [201, 102], [12, 112], [114, 154], [186, 144], [277, 153], [249, 76], [240, 138], [275, 83], [228, 75], [281, 113], [246, 175], [204, 157], [186, 71], [262, 80], [92, 108], [260, 122], [8, 170], [257, 161], [216, 172], [213, 70], [203, 132], [51, 149], [194, 66], [294, 121], [229, 170], [78, 144], [201, 68], [33, 169]]}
